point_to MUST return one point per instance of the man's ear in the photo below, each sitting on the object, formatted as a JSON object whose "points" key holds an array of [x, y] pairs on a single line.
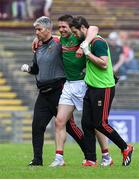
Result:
{"points": [[48, 30]]}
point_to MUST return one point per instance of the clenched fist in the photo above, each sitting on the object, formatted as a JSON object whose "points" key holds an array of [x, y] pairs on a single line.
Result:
{"points": [[84, 46], [25, 68]]}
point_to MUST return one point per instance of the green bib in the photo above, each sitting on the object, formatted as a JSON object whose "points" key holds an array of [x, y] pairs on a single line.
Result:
{"points": [[96, 76]]}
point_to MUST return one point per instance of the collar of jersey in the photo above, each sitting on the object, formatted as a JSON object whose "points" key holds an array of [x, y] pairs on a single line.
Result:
{"points": [[46, 42]]}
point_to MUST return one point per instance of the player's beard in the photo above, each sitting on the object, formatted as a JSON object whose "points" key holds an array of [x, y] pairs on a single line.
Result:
{"points": [[81, 38]]}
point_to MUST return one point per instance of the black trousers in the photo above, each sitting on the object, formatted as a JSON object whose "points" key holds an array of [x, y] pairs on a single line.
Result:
{"points": [[45, 108], [96, 107]]}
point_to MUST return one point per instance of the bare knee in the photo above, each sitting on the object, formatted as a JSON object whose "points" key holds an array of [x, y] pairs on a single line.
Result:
{"points": [[60, 123]]}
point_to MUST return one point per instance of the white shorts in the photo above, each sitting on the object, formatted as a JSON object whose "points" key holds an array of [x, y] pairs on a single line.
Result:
{"points": [[73, 93]]}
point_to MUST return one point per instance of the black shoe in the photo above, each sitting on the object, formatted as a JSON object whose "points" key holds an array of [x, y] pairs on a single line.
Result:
{"points": [[35, 162]]}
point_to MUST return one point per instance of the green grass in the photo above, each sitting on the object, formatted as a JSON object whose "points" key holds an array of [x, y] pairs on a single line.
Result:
{"points": [[15, 157]]}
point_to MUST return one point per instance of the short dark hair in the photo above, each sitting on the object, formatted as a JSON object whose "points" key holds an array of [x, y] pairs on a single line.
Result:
{"points": [[78, 21], [66, 18]]}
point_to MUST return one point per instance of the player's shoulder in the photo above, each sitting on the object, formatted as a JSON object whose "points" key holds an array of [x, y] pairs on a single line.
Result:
{"points": [[56, 38], [99, 41]]}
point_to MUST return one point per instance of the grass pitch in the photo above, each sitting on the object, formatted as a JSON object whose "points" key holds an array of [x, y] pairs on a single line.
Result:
{"points": [[15, 157]]}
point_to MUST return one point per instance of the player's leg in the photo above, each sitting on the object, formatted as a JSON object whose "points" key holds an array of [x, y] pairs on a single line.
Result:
{"points": [[73, 130], [72, 96], [89, 133], [91, 109], [64, 114], [103, 142], [76, 133], [102, 125], [41, 118], [78, 90]]}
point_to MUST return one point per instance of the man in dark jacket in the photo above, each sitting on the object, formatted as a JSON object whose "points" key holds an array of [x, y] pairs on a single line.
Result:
{"points": [[48, 69]]}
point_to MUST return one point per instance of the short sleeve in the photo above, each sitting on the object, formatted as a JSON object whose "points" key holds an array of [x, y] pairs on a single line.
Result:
{"points": [[99, 48]]}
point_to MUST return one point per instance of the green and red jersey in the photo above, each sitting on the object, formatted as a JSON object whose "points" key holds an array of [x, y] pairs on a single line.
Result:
{"points": [[73, 66]]}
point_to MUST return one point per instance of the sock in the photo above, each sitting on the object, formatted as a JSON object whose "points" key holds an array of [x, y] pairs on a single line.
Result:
{"points": [[92, 161], [105, 152], [59, 152]]}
